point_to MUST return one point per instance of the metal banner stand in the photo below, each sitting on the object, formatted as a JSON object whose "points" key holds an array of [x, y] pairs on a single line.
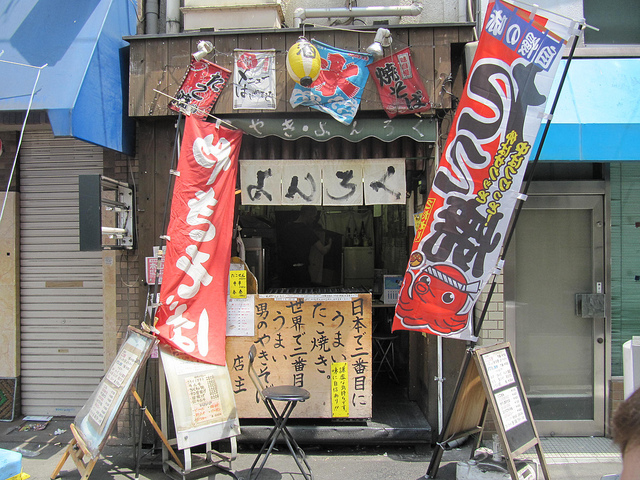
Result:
{"points": [[477, 429]]}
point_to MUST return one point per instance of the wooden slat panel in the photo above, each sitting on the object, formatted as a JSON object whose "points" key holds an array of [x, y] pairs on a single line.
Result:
{"points": [[442, 39], [278, 42], [179, 57], [137, 57], [225, 44], [155, 77], [422, 54], [161, 63], [370, 96]]}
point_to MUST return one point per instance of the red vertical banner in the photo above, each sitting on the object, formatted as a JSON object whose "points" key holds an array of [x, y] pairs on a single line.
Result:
{"points": [[193, 311], [457, 248], [400, 87], [200, 88]]}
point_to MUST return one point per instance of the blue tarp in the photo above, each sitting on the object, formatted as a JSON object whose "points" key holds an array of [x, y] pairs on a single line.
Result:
{"points": [[597, 118], [84, 86]]}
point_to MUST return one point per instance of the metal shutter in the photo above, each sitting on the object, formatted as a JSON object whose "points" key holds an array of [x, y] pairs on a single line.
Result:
{"points": [[61, 312]]}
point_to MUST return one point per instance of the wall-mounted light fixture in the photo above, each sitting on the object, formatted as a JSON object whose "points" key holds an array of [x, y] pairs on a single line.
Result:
{"points": [[382, 40], [204, 48]]}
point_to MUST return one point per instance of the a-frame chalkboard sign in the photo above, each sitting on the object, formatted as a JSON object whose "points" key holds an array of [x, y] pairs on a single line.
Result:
{"points": [[489, 378]]}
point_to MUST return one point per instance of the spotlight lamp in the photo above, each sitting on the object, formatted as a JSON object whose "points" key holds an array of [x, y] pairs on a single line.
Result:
{"points": [[382, 40], [204, 48]]}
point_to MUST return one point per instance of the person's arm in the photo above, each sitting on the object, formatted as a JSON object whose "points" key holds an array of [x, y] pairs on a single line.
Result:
{"points": [[324, 248]]}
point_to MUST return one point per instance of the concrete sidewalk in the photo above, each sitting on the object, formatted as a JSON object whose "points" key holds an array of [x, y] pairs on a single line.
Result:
{"points": [[567, 458]]}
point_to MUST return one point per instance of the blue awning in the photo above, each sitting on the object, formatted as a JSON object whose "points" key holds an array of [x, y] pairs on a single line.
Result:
{"points": [[84, 87], [597, 118]]}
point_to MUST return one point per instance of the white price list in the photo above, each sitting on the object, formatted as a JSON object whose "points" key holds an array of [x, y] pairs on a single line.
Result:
{"points": [[498, 369]]}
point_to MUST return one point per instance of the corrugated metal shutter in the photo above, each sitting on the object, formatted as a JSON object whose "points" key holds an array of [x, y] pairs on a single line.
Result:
{"points": [[60, 287]]}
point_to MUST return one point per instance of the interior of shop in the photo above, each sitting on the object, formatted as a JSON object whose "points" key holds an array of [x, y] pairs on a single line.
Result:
{"points": [[367, 244]]}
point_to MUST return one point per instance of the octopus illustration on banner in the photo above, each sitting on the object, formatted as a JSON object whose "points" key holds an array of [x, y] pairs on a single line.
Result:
{"points": [[459, 240]]}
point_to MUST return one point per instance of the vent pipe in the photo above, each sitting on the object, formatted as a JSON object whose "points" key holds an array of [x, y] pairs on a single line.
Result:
{"points": [[173, 16], [302, 14]]}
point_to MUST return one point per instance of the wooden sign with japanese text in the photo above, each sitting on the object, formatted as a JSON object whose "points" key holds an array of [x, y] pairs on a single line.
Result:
{"points": [[299, 340]]}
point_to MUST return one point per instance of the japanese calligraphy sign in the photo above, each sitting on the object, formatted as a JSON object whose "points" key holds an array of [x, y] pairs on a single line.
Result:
{"points": [[342, 182], [400, 87], [261, 182], [200, 88], [302, 183], [475, 188], [329, 182], [385, 182], [254, 79], [300, 341], [338, 89], [192, 315]]}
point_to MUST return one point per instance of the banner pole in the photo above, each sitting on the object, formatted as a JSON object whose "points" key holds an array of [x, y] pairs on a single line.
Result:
{"points": [[516, 215], [153, 303], [172, 167]]}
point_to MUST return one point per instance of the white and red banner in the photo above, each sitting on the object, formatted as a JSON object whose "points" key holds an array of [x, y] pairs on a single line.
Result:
{"points": [[400, 87], [338, 89], [192, 316], [254, 79], [463, 226], [200, 88]]}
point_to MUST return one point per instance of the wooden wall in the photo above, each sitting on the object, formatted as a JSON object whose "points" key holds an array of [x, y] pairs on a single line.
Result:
{"points": [[160, 62]]}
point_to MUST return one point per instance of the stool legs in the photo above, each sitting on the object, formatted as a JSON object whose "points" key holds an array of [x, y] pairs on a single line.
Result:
{"points": [[385, 356], [280, 428]]}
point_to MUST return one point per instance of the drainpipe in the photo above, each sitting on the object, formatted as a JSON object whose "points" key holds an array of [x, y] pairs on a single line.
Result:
{"points": [[301, 14], [151, 16], [173, 16]]}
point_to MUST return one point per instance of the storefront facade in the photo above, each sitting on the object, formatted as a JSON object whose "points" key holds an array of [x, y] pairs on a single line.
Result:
{"points": [[158, 64]]}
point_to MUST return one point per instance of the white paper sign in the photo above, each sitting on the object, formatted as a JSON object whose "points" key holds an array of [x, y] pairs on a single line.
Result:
{"points": [[498, 369], [385, 182], [510, 408], [240, 316], [254, 79], [302, 182], [261, 182], [342, 181]]}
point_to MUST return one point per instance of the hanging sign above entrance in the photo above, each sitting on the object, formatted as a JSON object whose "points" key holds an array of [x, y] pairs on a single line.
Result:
{"points": [[323, 129]]}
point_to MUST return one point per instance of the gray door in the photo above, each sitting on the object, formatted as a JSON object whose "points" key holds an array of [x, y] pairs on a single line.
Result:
{"points": [[558, 252]]}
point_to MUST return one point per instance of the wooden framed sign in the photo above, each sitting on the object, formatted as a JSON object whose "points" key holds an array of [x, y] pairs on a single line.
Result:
{"points": [[489, 378], [95, 420]]}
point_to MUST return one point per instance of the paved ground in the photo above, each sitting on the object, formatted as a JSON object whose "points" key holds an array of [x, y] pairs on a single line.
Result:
{"points": [[567, 458]]}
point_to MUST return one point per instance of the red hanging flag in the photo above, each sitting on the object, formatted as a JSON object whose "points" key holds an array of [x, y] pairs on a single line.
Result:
{"points": [[463, 226], [400, 87], [200, 88], [193, 311]]}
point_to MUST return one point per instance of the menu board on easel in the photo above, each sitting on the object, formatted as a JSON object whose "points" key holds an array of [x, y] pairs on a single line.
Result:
{"points": [[95, 420], [489, 376], [507, 398]]}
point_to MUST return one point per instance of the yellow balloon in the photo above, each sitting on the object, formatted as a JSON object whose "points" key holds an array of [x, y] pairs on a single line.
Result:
{"points": [[303, 62]]}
